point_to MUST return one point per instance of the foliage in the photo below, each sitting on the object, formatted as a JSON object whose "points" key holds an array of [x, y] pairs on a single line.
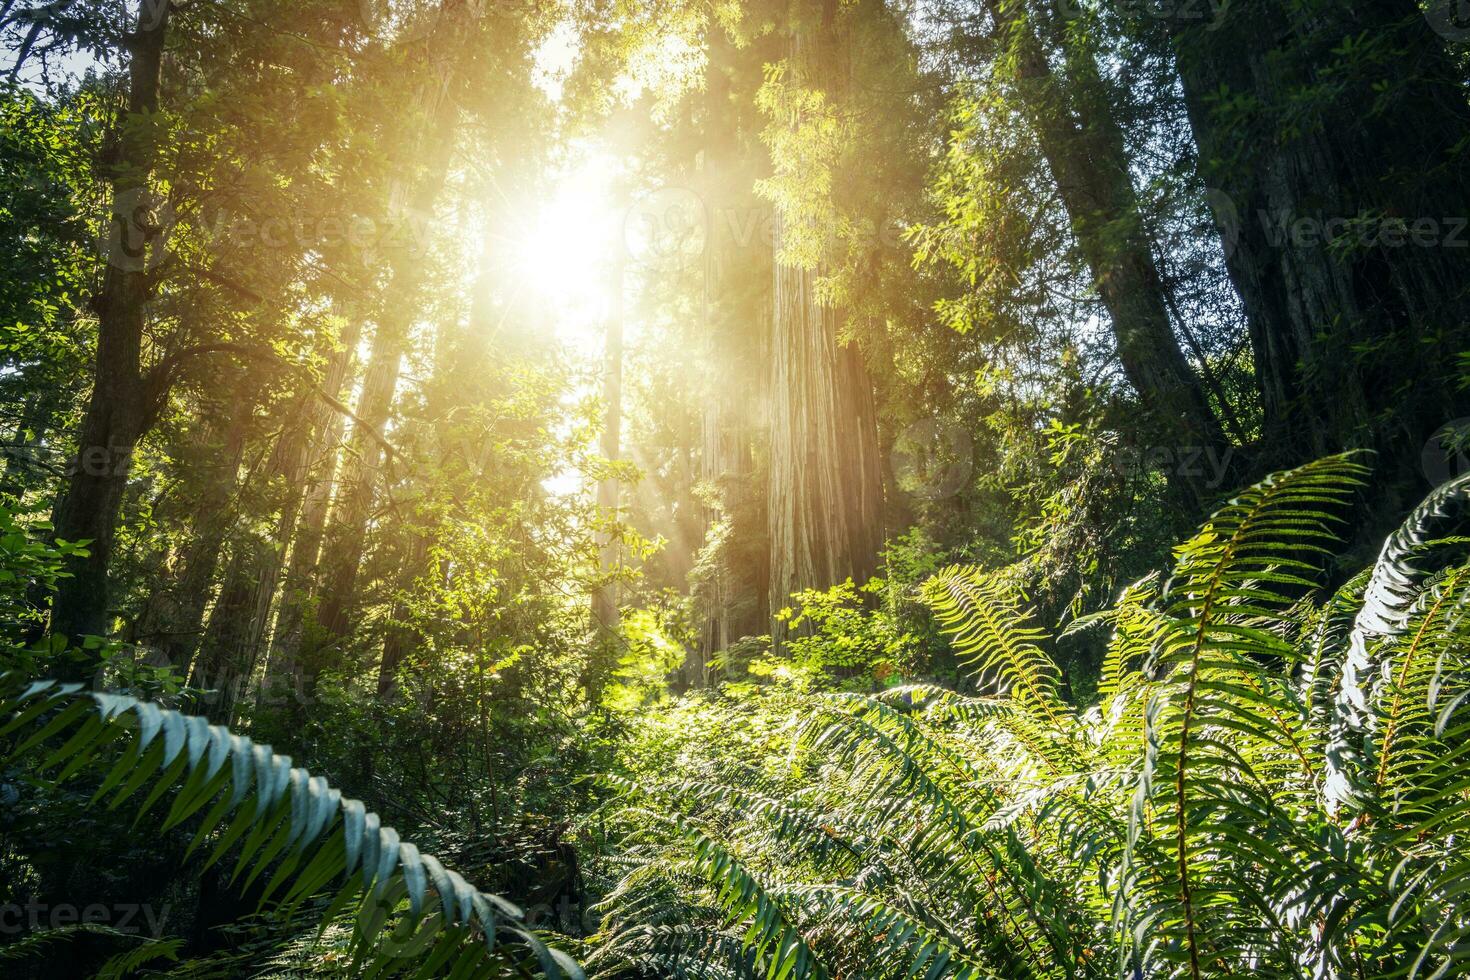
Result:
{"points": [[441, 385], [270, 817], [27, 561], [1184, 825], [838, 642]]}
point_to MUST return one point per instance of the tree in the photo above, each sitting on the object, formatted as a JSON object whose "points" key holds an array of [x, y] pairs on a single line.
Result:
{"points": [[825, 497], [1083, 145], [736, 308], [126, 396], [1333, 136]]}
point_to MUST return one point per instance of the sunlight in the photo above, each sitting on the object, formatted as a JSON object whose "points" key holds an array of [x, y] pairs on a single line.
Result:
{"points": [[716, 471], [566, 254]]}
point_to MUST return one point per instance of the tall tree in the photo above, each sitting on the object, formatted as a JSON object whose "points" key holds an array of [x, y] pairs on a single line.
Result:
{"points": [[825, 480], [1083, 145], [172, 620], [736, 318], [412, 200], [126, 395], [609, 488], [1334, 137], [311, 476]]}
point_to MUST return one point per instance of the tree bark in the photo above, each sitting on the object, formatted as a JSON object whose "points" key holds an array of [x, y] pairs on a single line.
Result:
{"points": [[125, 398], [1083, 145], [1299, 134], [733, 594], [357, 487], [174, 620], [825, 489], [609, 488]]}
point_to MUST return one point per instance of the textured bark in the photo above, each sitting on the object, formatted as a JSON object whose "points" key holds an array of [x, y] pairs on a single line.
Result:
{"points": [[1083, 145], [1352, 347], [125, 397], [825, 489], [826, 479], [737, 309]]}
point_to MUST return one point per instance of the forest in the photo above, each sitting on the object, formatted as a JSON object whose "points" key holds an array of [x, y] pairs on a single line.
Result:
{"points": [[735, 489]]}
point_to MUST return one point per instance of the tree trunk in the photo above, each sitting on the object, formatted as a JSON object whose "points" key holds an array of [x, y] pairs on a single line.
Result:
{"points": [[1083, 145], [303, 534], [826, 481], [609, 488], [401, 636], [226, 660], [357, 488], [125, 398], [736, 316], [1299, 135], [174, 619]]}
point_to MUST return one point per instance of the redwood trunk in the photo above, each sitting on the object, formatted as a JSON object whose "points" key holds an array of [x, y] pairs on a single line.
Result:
{"points": [[1354, 346], [1083, 145], [737, 309], [825, 490], [123, 403]]}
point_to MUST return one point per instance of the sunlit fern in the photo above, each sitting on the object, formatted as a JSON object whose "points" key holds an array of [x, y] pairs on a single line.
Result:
{"points": [[1189, 824]]}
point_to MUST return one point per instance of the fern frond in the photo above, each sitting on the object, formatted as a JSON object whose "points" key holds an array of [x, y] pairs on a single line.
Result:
{"points": [[276, 819], [900, 942], [769, 931], [1221, 724], [991, 631], [1387, 599], [1391, 591]]}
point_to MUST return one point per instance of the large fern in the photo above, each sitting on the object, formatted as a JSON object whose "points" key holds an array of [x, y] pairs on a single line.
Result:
{"points": [[1189, 824], [292, 836], [1225, 731]]}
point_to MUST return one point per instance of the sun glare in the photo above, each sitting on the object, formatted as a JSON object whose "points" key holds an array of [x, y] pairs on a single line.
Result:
{"points": [[566, 254]]}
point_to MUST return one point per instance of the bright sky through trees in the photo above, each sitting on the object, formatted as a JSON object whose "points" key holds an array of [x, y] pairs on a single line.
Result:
{"points": [[567, 254]]}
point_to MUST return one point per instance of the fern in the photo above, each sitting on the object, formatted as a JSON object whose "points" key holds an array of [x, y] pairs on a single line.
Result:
{"points": [[290, 832], [1187, 825], [1222, 720], [990, 632]]}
